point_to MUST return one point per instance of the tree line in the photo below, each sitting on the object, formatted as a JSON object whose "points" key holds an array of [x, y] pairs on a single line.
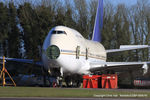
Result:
{"points": [[24, 25]]}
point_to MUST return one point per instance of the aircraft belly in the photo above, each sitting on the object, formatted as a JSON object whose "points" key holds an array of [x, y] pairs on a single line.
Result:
{"points": [[69, 63]]}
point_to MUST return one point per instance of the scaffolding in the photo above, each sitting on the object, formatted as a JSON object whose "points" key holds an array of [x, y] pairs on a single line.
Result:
{"points": [[3, 74]]}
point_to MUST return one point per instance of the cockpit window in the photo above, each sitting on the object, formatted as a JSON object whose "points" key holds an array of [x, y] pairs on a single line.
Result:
{"points": [[54, 32], [59, 32]]}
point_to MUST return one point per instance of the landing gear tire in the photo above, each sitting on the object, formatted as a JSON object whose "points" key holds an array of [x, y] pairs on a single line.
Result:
{"points": [[59, 81]]}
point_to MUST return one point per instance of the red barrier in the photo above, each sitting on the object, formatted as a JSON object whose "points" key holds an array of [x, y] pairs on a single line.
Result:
{"points": [[100, 81], [91, 81], [110, 81]]}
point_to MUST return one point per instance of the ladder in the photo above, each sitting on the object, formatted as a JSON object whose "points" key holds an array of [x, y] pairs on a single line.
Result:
{"points": [[3, 74]]}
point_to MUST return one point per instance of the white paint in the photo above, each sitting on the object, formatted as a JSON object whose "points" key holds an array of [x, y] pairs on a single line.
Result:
{"points": [[68, 62]]}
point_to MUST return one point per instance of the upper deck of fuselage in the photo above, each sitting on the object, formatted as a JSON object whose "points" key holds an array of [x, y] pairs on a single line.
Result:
{"points": [[93, 45], [70, 33]]}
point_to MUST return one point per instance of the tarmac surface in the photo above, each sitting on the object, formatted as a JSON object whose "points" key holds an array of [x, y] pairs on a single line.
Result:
{"points": [[73, 98]]}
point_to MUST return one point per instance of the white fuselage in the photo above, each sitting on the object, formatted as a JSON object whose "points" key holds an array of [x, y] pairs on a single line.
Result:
{"points": [[76, 52]]}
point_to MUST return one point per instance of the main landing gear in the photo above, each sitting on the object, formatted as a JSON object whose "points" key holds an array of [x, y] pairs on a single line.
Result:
{"points": [[73, 81], [55, 78], [51, 77]]}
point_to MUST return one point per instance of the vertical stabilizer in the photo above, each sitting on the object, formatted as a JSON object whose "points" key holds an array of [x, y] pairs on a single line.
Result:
{"points": [[98, 22]]}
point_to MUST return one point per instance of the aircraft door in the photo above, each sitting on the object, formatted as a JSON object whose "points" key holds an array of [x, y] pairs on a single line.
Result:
{"points": [[77, 52], [87, 52]]}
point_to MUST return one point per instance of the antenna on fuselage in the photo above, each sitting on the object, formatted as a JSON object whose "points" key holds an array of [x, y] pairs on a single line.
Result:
{"points": [[98, 22]]}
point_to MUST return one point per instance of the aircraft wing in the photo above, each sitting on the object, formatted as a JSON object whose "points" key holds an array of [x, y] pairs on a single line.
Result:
{"points": [[128, 47], [29, 61], [119, 66]]}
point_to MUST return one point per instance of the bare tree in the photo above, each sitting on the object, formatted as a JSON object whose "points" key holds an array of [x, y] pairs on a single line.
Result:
{"points": [[82, 19]]}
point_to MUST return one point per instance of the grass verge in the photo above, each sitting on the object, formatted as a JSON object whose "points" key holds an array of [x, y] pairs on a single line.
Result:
{"points": [[71, 92]]}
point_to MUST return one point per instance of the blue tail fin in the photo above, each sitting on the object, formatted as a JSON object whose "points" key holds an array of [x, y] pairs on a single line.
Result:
{"points": [[98, 22]]}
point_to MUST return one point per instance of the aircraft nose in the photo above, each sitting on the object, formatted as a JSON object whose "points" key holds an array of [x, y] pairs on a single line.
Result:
{"points": [[53, 52]]}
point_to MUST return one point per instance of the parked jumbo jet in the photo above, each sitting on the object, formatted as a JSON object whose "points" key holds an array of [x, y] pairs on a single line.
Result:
{"points": [[66, 51], [73, 53]]}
